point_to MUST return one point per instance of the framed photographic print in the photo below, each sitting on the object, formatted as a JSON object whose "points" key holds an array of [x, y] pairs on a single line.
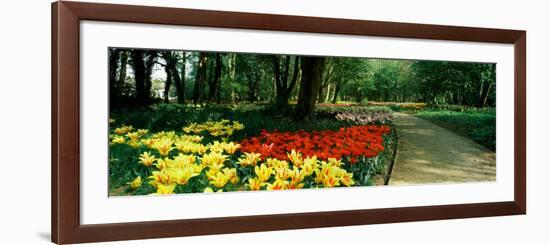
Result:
{"points": [[177, 122]]}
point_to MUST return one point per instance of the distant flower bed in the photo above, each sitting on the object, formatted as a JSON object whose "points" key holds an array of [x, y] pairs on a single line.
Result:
{"points": [[359, 115], [336, 105], [364, 118], [398, 106]]}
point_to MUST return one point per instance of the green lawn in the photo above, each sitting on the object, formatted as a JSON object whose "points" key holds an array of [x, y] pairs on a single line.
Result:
{"points": [[476, 124]]}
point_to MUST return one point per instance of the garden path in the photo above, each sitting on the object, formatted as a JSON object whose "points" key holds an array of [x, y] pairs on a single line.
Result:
{"points": [[428, 153]]}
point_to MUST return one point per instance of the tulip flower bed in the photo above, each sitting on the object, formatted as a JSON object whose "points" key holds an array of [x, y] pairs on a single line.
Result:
{"points": [[350, 143], [213, 156], [358, 115]]}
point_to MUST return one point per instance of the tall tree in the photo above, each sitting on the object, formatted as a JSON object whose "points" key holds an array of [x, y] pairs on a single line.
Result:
{"points": [[215, 79], [114, 55], [138, 65], [142, 64], [312, 72], [232, 63], [172, 59], [488, 77], [180, 83], [122, 74], [282, 73], [200, 78], [150, 58], [250, 69], [345, 71], [167, 84], [324, 90]]}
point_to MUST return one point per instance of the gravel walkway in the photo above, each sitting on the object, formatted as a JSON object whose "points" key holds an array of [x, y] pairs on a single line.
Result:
{"points": [[428, 153]]}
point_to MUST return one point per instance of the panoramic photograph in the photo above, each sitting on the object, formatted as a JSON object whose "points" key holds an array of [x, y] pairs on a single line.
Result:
{"points": [[207, 122]]}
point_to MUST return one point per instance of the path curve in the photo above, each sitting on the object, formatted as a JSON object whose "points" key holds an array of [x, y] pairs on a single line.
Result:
{"points": [[428, 153]]}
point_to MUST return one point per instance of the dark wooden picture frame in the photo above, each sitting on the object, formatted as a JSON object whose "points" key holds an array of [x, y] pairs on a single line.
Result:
{"points": [[65, 175]]}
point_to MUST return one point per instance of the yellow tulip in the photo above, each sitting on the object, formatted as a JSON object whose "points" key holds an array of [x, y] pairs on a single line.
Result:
{"points": [[134, 144], [238, 126], [135, 183], [123, 130], [213, 171], [231, 148], [334, 162], [166, 189], [147, 159], [276, 163], [134, 136], [295, 158], [255, 184], [164, 146], [328, 176], [231, 173], [160, 177], [190, 147], [249, 159], [292, 186], [346, 178], [309, 168], [216, 146], [213, 159], [309, 161], [189, 128], [182, 161], [219, 180], [162, 163], [142, 132], [148, 142], [278, 185], [296, 176], [263, 172], [330, 181], [181, 175], [118, 140], [192, 138], [282, 173]]}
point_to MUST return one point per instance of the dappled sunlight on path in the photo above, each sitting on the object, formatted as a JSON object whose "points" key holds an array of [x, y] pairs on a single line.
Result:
{"points": [[428, 153]]}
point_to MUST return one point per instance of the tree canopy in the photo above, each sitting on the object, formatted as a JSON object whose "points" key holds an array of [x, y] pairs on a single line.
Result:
{"points": [[283, 80]]}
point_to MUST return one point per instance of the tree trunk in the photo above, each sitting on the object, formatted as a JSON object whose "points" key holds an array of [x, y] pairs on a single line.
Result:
{"points": [[326, 79], [321, 94], [114, 55], [180, 83], [485, 94], [312, 70], [167, 83], [282, 88], [122, 73], [138, 65], [215, 79], [200, 79], [336, 91], [173, 75], [149, 64], [232, 72], [251, 88], [328, 94]]}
